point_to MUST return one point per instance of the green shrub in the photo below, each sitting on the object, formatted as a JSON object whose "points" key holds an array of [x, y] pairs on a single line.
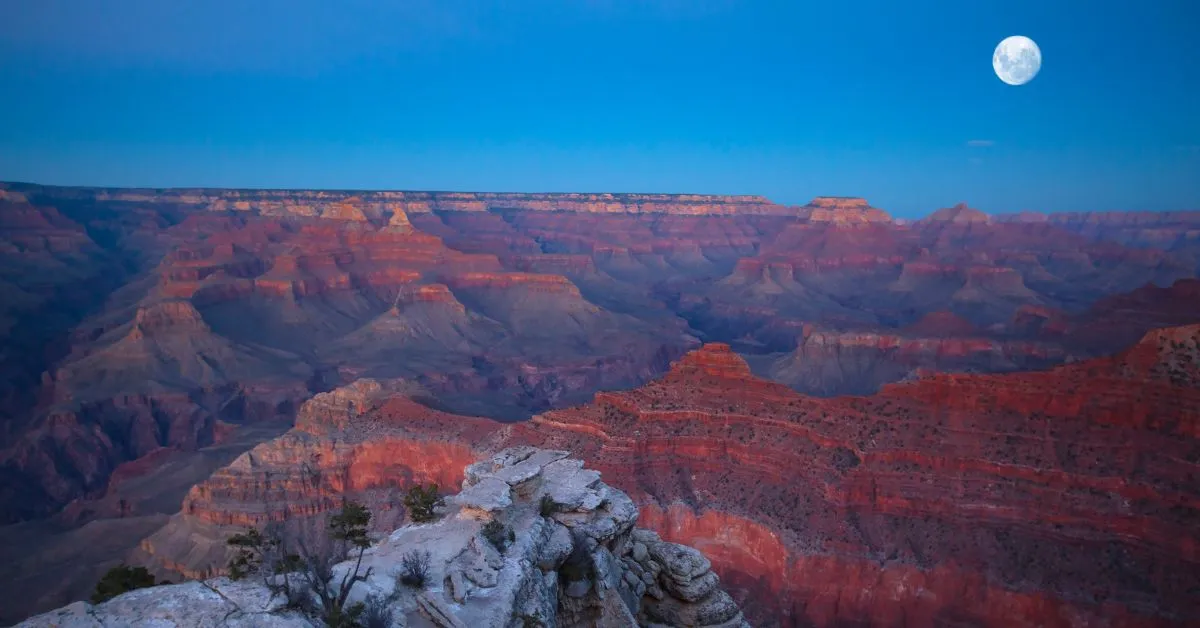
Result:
{"points": [[548, 506], [499, 535], [377, 613], [122, 579], [531, 621], [251, 546], [350, 527], [414, 569]]}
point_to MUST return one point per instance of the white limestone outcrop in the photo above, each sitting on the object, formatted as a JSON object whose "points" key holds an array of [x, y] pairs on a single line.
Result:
{"points": [[569, 555]]}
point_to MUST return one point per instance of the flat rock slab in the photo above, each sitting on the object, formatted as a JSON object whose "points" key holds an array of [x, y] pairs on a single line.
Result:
{"points": [[530, 467], [438, 613], [570, 485], [490, 494], [683, 562], [220, 602]]}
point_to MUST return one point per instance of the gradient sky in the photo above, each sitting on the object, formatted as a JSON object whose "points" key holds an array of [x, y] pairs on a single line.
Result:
{"points": [[895, 101]]}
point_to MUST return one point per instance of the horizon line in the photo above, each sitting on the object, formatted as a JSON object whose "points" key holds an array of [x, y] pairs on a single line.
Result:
{"points": [[6, 183]]}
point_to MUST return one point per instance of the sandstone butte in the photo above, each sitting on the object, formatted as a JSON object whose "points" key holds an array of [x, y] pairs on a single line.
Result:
{"points": [[1060, 498]]}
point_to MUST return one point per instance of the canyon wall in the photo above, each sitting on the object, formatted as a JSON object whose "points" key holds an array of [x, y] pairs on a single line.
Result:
{"points": [[169, 313], [139, 325], [1059, 498]]}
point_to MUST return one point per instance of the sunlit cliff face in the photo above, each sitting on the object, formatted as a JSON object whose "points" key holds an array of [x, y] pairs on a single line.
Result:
{"points": [[936, 500]]}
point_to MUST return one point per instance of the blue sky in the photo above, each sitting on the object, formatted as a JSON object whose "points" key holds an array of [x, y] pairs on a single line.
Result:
{"points": [[788, 99]]}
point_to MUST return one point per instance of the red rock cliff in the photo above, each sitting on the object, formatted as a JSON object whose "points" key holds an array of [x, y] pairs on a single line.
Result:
{"points": [[1036, 499], [367, 441], [1004, 500]]}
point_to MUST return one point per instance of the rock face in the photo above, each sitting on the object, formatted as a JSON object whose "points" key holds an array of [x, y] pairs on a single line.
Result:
{"points": [[52, 273], [581, 562], [844, 211], [850, 274], [1118, 321], [828, 363], [355, 206], [218, 602], [236, 307], [1177, 231], [369, 441], [1059, 498], [960, 214]]}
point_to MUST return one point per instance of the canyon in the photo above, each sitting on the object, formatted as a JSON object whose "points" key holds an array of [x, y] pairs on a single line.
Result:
{"points": [[1060, 498], [1023, 439]]}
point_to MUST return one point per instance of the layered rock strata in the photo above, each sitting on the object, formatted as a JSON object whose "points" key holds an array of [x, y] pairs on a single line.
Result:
{"points": [[1034, 499], [369, 441], [138, 322], [1031, 499]]}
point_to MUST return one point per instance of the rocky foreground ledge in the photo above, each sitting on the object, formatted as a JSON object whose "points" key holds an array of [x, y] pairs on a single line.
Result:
{"points": [[583, 563]]}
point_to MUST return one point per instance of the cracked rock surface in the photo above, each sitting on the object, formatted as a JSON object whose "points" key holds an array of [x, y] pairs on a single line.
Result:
{"points": [[571, 556], [219, 602]]}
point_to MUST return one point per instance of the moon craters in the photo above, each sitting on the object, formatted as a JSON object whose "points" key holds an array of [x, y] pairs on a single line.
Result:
{"points": [[1017, 60]]}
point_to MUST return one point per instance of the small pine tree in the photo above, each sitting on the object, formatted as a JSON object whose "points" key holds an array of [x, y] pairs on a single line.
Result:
{"points": [[307, 581], [422, 503], [252, 547], [348, 526]]}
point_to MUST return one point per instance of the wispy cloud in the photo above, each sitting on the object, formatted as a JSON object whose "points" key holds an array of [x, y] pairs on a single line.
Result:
{"points": [[1188, 148], [980, 143]]}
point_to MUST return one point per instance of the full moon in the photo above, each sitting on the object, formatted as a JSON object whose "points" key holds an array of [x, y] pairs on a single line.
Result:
{"points": [[1017, 60]]}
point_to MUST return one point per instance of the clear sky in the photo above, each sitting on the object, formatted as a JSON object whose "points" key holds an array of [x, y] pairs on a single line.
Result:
{"points": [[895, 101]]}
